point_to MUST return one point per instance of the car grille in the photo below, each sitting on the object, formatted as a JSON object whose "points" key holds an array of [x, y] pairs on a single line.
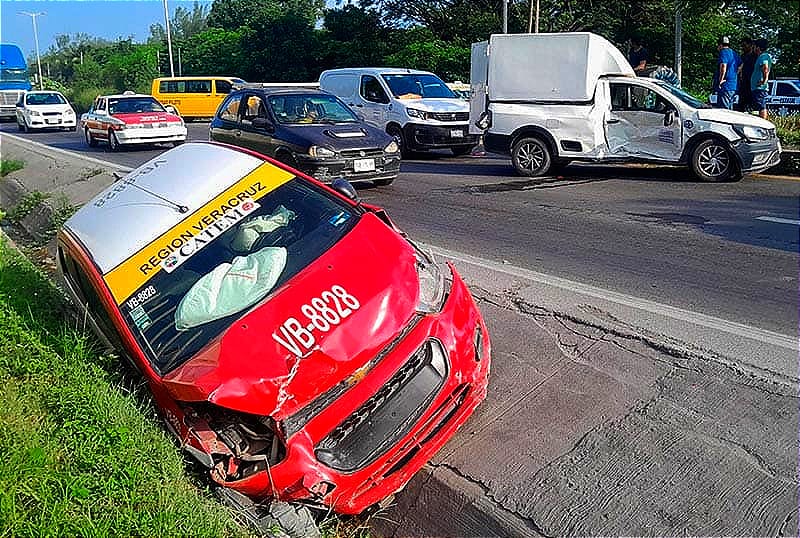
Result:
{"points": [[51, 113], [361, 153], [9, 98], [389, 414], [449, 116]]}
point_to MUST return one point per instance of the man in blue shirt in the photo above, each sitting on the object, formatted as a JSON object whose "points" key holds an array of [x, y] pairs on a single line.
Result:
{"points": [[726, 76], [758, 81]]}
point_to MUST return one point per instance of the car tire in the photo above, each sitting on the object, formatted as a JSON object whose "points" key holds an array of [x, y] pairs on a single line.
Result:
{"points": [[113, 142], [383, 182], [91, 141], [397, 133], [531, 157], [23, 127], [294, 521], [713, 162], [462, 150]]}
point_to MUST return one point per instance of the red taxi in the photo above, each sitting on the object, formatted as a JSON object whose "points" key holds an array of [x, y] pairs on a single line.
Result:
{"points": [[299, 345], [127, 119]]}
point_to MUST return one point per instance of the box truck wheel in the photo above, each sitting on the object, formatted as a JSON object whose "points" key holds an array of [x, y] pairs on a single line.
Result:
{"points": [[712, 161], [531, 156]]}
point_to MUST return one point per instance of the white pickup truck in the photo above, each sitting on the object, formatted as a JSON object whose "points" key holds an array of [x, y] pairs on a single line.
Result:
{"points": [[548, 99]]}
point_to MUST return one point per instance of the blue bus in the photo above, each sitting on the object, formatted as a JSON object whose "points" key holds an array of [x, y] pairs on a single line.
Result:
{"points": [[14, 81]]}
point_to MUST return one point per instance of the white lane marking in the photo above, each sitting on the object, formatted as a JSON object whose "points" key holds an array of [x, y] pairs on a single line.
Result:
{"points": [[731, 327], [116, 166], [696, 318], [780, 220]]}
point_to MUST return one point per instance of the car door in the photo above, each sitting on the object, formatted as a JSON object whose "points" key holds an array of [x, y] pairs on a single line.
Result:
{"points": [[642, 123], [375, 101], [98, 118], [256, 126], [225, 126]]}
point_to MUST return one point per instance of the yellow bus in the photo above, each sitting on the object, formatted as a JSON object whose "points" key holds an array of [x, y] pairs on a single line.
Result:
{"points": [[193, 97]]}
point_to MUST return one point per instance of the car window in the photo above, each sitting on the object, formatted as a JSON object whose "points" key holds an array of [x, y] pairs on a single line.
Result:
{"points": [[310, 108], [198, 86], [223, 86], [44, 99], [229, 111], [254, 107], [133, 105], [787, 90], [205, 289], [415, 86], [81, 285], [371, 90], [627, 97]]}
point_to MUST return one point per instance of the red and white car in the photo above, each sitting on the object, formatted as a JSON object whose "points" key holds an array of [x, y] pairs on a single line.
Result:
{"points": [[298, 344], [130, 118]]}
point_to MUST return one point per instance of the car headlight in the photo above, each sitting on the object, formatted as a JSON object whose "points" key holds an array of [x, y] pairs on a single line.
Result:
{"points": [[34, 112], [69, 112], [752, 133], [321, 152], [431, 283], [392, 147], [414, 113]]}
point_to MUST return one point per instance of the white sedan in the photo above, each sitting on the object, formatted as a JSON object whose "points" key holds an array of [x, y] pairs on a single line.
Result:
{"points": [[45, 110]]}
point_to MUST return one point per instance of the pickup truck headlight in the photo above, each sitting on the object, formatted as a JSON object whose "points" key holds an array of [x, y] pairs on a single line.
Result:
{"points": [[432, 284], [392, 147], [752, 133], [321, 152], [414, 113]]}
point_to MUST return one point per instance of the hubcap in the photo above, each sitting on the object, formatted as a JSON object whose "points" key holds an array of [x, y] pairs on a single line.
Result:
{"points": [[714, 161], [531, 156]]}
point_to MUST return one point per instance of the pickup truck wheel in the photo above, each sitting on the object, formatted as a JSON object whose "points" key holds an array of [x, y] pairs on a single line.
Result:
{"points": [[90, 140], [531, 157], [712, 161], [113, 143]]}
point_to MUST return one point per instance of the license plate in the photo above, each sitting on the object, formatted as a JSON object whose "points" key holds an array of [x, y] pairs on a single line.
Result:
{"points": [[51, 121], [364, 165], [456, 133]]}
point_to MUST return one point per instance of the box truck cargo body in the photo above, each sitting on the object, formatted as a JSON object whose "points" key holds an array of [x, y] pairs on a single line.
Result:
{"points": [[549, 99]]}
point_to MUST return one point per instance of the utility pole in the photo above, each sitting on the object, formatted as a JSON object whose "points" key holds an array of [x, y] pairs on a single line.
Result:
{"points": [[505, 16], [36, 41], [180, 65], [537, 17], [530, 18], [678, 38], [169, 40]]}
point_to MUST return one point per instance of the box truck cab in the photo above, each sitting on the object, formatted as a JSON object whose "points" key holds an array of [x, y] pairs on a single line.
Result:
{"points": [[548, 99], [415, 107]]}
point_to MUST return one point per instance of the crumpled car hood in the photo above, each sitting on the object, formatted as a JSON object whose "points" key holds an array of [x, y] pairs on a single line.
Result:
{"points": [[247, 369]]}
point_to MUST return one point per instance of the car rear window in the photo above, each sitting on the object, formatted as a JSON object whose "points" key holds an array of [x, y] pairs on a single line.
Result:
{"points": [[177, 312]]}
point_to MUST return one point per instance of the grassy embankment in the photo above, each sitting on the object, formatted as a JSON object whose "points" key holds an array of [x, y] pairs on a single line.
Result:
{"points": [[79, 456]]}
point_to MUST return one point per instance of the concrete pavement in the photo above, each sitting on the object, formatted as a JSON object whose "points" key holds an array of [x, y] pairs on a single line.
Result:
{"points": [[598, 420]]}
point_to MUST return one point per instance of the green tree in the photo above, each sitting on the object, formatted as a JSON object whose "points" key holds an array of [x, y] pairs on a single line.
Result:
{"points": [[214, 52], [184, 24], [234, 14]]}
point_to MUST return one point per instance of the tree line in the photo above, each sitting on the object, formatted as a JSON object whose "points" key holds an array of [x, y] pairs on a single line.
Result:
{"points": [[295, 40]]}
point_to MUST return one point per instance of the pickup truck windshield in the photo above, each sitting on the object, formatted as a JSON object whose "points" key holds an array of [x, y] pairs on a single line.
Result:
{"points": [[417, 86], [268, 241]]}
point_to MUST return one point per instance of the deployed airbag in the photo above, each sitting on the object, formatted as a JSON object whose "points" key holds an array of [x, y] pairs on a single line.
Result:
{"points": [[230, 287], [249, 232]]}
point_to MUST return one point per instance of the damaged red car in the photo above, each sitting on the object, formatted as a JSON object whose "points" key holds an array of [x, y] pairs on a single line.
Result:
{"points": [[298, 344]]}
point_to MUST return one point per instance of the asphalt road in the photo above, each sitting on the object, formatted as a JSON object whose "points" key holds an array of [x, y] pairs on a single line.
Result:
{"points": [[727, 250]]}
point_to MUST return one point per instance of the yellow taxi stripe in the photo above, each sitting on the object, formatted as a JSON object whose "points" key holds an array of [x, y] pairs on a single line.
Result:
{"points": [[132, 274]]}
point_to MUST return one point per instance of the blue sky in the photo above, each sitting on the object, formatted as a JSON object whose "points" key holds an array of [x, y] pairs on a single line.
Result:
{"points": [[109, 19]]}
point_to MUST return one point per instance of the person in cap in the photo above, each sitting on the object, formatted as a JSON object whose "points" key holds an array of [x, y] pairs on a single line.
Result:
{"points": [[727, 74], [758, 81]]}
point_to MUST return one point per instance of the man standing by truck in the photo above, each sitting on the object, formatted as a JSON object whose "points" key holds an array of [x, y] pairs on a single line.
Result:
{"points": [[726, 76], [758, 82]]}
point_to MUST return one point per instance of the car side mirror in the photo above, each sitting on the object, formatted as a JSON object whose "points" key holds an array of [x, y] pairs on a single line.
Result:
{"points": [[263, 123], [669, 117], [345, 188]]}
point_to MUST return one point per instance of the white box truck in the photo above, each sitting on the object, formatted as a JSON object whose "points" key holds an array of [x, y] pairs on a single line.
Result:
{"points": [[549, 99], [415, 107]]}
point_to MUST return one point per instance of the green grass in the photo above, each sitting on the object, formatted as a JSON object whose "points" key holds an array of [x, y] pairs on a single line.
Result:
{"points": [[788, 129], [10, 165], [82, 455]]}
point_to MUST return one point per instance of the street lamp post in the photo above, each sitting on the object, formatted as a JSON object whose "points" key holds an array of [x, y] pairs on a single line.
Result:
{"points": [[169, 40], [36, 41]]}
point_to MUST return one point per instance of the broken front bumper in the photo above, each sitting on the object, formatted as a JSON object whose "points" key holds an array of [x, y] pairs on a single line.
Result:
{"points": [[756, 156]]}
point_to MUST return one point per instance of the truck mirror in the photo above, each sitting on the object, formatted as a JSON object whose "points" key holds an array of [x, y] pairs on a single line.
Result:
{"points": [[669, 117]]}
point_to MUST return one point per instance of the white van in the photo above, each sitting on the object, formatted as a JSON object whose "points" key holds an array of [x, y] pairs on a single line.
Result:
{"points": [[415, 107], [586, 104]]}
